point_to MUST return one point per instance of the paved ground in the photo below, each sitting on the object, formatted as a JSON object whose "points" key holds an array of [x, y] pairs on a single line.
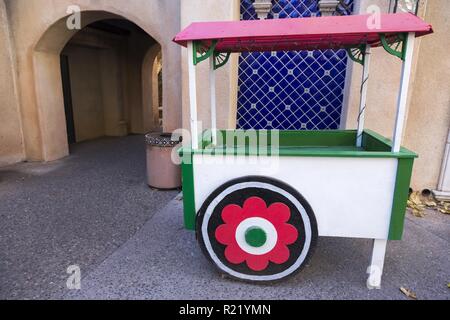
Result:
{"points": [[162, 261], [94, 209], [75, 211]]}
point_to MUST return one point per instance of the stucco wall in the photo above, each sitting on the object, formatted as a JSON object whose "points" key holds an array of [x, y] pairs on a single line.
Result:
{"points": [[429, 111], [226, 77], [11, 144], [39, 32]]}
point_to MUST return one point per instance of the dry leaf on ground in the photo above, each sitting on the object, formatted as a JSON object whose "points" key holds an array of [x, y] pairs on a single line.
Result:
{"points": [[417, 203], [409, 293], [444, 207]]}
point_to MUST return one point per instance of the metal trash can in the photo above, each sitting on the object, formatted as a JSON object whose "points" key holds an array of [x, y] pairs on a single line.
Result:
{"points": [[162, 172]]}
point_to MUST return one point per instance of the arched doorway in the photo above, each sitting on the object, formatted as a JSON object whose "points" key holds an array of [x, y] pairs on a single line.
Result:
{"points": [[90, 82], [101, 69]]}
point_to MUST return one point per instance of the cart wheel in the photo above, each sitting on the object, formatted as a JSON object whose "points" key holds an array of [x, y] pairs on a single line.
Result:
{"points": [[257, 229]]}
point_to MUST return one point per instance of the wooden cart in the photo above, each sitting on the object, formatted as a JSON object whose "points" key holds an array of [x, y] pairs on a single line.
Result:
{"points": [[258, 200]]}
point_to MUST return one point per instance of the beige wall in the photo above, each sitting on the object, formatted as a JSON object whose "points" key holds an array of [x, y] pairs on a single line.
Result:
{"points": [[429, 111], [39, 33], [11, 139], [428, 104], [226, 78]]}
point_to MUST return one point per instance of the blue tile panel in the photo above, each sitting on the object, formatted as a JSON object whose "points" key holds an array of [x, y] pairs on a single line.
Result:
{"points": [[295, 90]]}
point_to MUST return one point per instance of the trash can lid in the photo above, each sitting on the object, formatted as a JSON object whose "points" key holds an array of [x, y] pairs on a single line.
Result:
{"points": [[163, 139]]}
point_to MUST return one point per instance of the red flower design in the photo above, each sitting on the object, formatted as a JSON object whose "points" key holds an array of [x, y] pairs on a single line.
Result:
{"points": [[278, 214]]}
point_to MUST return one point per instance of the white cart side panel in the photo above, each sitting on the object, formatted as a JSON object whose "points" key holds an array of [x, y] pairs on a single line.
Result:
{"points": [[351, 197]]}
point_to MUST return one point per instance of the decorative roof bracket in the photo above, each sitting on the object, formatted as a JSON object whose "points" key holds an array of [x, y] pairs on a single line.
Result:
{"points": [[221, 59], [392, 45], [202, 51], [357, 54]]}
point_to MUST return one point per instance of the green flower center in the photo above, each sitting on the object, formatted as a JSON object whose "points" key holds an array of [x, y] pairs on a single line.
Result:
{"points": [[255, 237]]}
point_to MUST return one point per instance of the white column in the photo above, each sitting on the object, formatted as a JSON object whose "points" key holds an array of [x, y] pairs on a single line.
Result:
{"points": [[193, 95], [363, 98], [443, 191], [328, 7], [375, 269], [212, 85], [262, 8], [403, 96]]}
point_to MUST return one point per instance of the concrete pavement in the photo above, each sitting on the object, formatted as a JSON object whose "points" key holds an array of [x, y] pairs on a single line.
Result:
{"points": [[78, 210], [163, 261]]}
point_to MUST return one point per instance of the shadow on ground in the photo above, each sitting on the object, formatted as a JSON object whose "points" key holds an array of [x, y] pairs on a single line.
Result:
{"points": [[78, 210]]}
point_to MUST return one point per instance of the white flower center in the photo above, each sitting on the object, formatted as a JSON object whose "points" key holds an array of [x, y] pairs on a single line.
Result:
{"points": [[264, 224]]}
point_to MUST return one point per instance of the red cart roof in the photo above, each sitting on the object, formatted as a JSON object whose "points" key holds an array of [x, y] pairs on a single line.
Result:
{"points": [[301, 33]]}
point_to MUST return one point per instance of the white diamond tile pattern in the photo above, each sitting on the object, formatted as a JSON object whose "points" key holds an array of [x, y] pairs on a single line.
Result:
{"points": [[291, 90]]}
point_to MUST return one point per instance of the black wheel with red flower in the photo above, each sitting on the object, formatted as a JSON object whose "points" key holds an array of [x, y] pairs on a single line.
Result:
{"points": [[257, 229]]}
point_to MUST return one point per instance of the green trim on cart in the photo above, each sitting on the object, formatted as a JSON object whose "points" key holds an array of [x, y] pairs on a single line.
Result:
{"points": [[332, 143], [376, 142], [401, 193], [187, 169]]}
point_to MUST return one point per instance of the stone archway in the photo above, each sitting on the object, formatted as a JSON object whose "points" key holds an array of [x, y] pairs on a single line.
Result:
{"points": [[102, 68], [52, 135]]}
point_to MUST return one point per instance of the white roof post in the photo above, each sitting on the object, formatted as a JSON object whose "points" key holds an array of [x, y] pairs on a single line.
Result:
{"points": [[262, 8], [363, 98], [403, 95], [212, 85], [328, 7], [193, 95]]}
